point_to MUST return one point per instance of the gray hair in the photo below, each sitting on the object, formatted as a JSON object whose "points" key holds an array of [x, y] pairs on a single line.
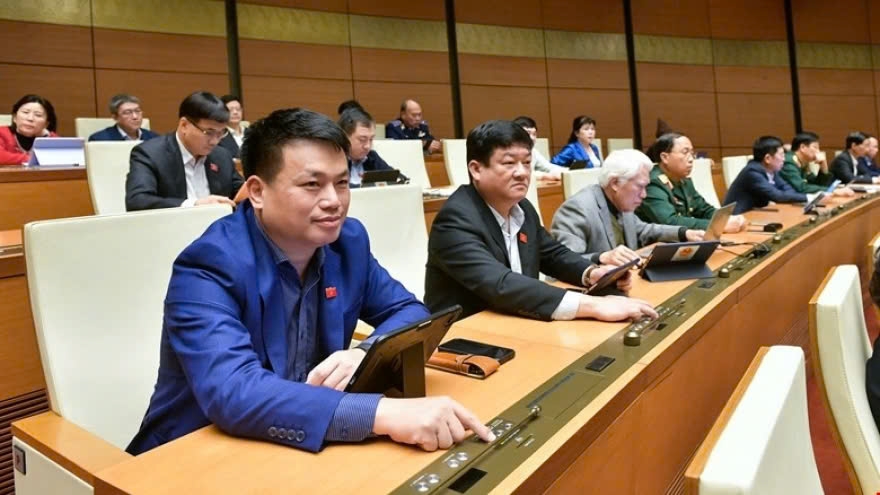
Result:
{"points": [[118, 100], [623, 165]]}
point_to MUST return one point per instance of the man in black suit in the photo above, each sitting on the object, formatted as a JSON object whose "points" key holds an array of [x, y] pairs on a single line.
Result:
{"points": [[185, 167], [759, 183], [360, 128], [847, 166], [126, 111], [487, 245]]}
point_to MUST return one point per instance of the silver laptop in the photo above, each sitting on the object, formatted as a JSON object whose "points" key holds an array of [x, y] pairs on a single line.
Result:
{"points": [[718, 222]]}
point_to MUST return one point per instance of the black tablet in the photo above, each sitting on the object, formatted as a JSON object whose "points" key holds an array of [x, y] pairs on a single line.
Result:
{"points": [[379, 177], [395, 363], [578, 165], [612, 276], [815, 202], [679, 261]]}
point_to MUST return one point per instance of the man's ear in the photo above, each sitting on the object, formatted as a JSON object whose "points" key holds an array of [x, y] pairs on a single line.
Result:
{"points": [[255, 188], [474, 168]]}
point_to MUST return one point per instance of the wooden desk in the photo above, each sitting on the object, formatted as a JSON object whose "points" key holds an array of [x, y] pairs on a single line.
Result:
{"points": [[32, 193], [549, 197], [635, 437]]}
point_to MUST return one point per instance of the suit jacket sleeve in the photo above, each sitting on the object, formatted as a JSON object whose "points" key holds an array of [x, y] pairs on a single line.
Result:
{"points": [[565, 156], [458, 248], [760, 187], [560, 262], [203, 321], [657, 208], [393, 132], [649, 233], [572, 227], [842, 169], [142, 184]]}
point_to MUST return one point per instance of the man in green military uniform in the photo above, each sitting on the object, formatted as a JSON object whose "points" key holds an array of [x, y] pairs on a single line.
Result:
{"points": [[796, 171], [671, 197]]}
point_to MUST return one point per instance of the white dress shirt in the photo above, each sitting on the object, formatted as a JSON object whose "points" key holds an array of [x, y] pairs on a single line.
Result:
{"points": [[126, 137], [510, 227], [196, 180]]}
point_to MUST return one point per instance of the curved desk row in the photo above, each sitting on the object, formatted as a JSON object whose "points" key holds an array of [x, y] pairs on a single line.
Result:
{"points": [[635, 435]]}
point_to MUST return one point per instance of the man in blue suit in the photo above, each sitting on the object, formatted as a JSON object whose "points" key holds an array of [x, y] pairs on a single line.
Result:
{"points": [[759, 183], [126, 111], [261, 309]]}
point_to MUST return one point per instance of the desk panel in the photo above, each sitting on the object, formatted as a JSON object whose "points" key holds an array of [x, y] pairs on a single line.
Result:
{"points": [[41, 194], [636, 436]]}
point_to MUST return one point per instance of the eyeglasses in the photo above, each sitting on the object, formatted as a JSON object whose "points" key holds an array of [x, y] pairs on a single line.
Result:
{"points": [[129, 113], [209, 133]]}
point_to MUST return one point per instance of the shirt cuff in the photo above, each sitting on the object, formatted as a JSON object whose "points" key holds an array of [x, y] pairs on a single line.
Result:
{"points": [[353, 419], [188, 203], [568, 307], [682, 234]]}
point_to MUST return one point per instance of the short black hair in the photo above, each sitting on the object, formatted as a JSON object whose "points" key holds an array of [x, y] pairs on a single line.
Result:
{"points": [[261, 152], [51, 118], [204, 105], [663, 144], [525, 121], [351, 118], [765, 145], [803, 138], [855, 138], [347, 105], [485, 138], [230, 98], [577, 123]]}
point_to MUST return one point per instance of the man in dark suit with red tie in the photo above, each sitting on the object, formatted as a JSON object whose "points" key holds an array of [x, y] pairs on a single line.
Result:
{"points": [[186, 167]]}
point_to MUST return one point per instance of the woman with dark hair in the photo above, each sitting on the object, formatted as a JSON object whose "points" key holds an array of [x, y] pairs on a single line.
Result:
{"points": [[580, 145], [32, 117]]}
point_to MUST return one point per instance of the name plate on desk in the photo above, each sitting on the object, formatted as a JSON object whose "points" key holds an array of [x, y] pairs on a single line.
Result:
{"points": [[58, 152]]}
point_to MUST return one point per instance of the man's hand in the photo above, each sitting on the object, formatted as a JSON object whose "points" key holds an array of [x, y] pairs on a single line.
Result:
{"points": [[875, 180], [336, 371], [694, 235], [843, 192], [614, 308], [617, 256], [434, 146], [430, 422], [735, 223], [822, 162], [213, 199], [624, 283]]}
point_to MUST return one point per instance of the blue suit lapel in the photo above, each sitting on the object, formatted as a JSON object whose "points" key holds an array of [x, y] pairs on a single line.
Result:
{"points": [[331, 333]]}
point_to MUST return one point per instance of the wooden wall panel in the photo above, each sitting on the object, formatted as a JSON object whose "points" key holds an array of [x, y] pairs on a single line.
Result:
{"points": [[382, 100], [23, 43], [325, 5], [598, 16], [410, 9], [765, 19], [376, 64], [836, 82], [502, 71], [687, 18], [731, 79], [843, 21], [610, 108], [744, 117], [599, 74], [833, 117], [71, 90], [482, 103], [691, 113], [261, 58], [518, 13], [265, 94], [118, 49], [675, 77], [160, 92]]}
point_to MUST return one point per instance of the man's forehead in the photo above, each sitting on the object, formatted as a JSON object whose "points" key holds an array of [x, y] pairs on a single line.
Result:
{"points": [[516, 149]]}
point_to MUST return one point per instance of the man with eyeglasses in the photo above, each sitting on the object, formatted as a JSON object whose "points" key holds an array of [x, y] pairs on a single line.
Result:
{"points": [[186, 167], [126, 112]]}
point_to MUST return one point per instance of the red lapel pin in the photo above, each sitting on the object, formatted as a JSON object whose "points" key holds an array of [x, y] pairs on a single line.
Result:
{"points": [[214, 168], [523, 238], [330, 292]]}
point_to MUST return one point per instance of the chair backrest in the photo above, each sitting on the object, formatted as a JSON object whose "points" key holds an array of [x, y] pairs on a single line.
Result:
{"points": [[731, 166], [543, 145], [97, 286], [380, 131], [761, 440], [615, 144], [455, 158], [395, 219], [702, 177], [575, 180], [839, 348], [5, 119], [406, 156], [532, 196], [107, 164], [86, 126]]}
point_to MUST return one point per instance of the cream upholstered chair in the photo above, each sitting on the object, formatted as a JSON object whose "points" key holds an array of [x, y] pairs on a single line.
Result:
{"points": [[97, 288], [543, 145], [731, 166], [86, 126], [455, 158], [5, 119], [380, 131], [107, 164], [760, 443], [839, 348], [702, 177], [395, 220], [406, 156], [575, 180], [615, 144]]}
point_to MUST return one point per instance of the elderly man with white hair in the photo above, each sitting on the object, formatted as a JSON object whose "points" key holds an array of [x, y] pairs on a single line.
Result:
{"points": [[599, 221]]}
